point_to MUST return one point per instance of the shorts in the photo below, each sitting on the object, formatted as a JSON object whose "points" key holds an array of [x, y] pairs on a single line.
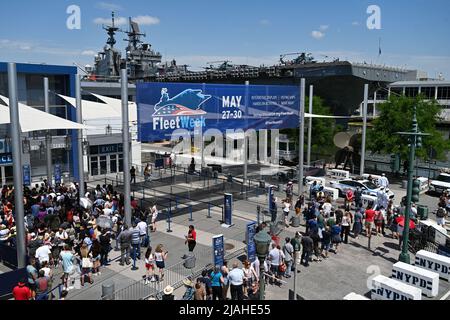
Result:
{"points": [[326, 246], [160, 264], [336, 239], [149, 266], [441, 221], [32, 286], [369, 224], [274, 269]]}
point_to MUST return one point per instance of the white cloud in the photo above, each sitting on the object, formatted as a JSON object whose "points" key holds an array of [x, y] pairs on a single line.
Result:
{"points": [[118, 21], [355, 23], [317, 34], [264, 22], [324, 27], [109, 6], [146, 20], [88, 53]]}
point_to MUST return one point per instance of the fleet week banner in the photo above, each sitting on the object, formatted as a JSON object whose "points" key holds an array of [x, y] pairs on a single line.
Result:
{"points": [[166, 107]]}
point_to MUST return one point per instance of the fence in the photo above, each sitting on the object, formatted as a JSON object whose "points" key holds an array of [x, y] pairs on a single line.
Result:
{"points": [[425, 238], [9, 280], [8, 255], [173, 276]]}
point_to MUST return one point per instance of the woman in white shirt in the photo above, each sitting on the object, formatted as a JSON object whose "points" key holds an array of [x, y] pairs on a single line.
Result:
{"points": [[154, 212], [286, 210]]}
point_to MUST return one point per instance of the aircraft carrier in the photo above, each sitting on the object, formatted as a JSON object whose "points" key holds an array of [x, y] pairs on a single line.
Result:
{"points": [[339, 83]]}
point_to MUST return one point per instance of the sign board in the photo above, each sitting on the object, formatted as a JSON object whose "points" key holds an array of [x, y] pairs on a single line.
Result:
{"points": [[339, 174], [251, 246], [228, 208], [159, 163], [425, 280], [6, 159], [218, 250], [384, 288], [434, 262], [165, 107], [271, 195], [58, 174], [26, 175]]}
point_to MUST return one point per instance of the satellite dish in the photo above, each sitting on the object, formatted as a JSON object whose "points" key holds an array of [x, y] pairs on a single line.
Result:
{"points": [[342, 139]]}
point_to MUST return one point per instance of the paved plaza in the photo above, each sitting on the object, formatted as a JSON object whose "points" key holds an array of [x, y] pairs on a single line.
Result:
{"points": [[347, 271]]}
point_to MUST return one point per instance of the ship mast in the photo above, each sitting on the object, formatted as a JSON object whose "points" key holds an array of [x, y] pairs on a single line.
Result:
{"points": [[111, 30]]}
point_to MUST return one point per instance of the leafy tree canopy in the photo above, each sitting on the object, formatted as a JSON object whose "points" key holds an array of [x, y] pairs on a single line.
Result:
{"points": [[395, 115]]}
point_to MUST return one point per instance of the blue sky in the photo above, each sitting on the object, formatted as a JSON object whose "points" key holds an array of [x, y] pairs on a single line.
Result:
{"points": [[414, 33]]}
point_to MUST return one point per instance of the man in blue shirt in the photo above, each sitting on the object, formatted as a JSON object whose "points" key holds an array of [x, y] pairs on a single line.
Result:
{"points": [[32, 275]]}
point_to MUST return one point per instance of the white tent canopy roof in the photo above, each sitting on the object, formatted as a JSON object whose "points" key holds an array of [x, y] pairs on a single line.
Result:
{"points": [[94, 110], [32, 119]]}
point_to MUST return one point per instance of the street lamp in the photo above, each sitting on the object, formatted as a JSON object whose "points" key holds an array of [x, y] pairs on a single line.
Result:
{"points": [[262, 242], [415, 141]]}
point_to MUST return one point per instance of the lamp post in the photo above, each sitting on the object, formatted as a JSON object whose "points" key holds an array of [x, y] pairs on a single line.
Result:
{"points": [[415, 141], [262, 242]]}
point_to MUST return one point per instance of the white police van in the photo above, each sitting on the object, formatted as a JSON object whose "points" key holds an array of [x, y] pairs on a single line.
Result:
{"points": [[441, 184]]}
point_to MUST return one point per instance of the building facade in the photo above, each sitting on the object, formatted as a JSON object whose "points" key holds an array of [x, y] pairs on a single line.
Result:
{"points": [[63, 143]]}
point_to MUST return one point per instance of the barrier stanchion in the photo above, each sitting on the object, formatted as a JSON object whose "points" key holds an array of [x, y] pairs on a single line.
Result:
{"points": [[209, 210], [176, 203], [190, 213], [169, 230]]}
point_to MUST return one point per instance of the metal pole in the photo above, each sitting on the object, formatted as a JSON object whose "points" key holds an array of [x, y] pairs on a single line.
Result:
{"points": [[302, 137], [80, 136], [363, 146], [261, 279], [247, 84], [126, 145], [48, 136], [311, 98], [17, 167], [404, 255]]}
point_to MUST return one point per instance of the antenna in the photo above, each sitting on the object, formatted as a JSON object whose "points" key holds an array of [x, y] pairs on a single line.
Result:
{"points": [[111, 31]]}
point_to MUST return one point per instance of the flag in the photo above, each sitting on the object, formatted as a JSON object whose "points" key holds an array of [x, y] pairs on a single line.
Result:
{"points": [[379, 47]]}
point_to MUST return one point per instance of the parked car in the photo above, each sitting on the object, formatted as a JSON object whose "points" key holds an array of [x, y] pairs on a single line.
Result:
{"points": [[367, 187]]}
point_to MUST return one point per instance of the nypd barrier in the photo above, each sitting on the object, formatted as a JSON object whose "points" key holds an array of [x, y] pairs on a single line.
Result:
{"points": [[425, 280], [354, 296], [339, 174], [384, 288], [434, 262]]}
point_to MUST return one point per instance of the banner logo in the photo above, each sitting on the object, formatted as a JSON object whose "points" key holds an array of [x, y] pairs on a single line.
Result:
{"points": [[187, 103]]}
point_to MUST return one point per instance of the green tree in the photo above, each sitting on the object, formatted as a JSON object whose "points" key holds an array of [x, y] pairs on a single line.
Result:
{"points": [[395, 115]]}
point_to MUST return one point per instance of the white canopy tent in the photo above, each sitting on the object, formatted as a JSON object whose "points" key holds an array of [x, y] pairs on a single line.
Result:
{"points": [[94, 110], [32, 119]]}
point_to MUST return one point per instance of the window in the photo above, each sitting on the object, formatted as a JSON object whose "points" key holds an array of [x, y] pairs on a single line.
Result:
{"points": [[443, 93], [411, 92], [283, 146], [428, 92], [397, 91]]}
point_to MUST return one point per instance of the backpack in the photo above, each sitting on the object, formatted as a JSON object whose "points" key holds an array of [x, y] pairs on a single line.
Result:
{"points": [[440, 213]]}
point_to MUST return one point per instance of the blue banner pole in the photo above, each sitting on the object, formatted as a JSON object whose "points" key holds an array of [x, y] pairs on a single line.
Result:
{"points": [[209, 209], [169, 230]]}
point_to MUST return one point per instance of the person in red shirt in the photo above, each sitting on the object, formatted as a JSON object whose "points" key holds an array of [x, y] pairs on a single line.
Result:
{"points": [[369, 217], [191, 238], [21, 291], [348, 199]]}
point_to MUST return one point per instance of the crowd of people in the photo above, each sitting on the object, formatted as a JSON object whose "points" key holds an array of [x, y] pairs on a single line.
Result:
{"points": [[69, 239]]}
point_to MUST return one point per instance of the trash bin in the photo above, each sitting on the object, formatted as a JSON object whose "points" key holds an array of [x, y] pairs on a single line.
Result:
{"points": [[108, 290], [422, 212], [405, 184], [189, 261]]}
